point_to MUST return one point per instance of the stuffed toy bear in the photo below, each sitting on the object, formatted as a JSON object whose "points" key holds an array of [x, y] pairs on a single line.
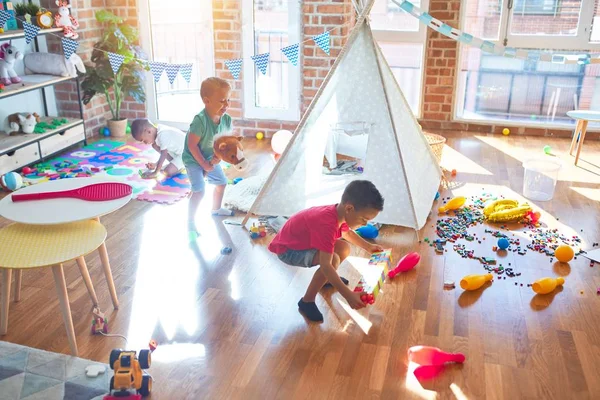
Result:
{"points": [[21, 123], [53, 64], [229, 149], [9, 55]]}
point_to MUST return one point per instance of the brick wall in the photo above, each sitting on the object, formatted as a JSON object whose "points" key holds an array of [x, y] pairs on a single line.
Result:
{"points": [[317, 17], [97, 112]]}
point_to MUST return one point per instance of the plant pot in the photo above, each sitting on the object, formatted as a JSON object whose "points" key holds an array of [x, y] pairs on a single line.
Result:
{"points": [[118, 128], [20, 21]]}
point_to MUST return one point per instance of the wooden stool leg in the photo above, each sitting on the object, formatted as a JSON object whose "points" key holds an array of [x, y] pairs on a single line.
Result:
{"points": [[108, 274], [85, 274], [6, 278], [581, 139], [63, 298], [18, 276], [574, 140]]}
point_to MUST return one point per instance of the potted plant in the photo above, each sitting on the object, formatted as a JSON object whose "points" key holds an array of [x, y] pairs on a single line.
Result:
{"points": [[118, 38], [25, 12]]}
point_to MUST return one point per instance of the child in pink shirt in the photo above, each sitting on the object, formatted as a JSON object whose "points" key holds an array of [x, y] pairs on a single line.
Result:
{"points": [[314, 237]]}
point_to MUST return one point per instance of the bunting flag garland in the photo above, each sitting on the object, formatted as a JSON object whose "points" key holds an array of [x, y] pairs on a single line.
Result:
{"points": [[234, 66], [291, 52], [4, 16], [172, 70], [69, 47], [322, 41], [157, 68], [31, 31], [186, 71], [261, 61], [116, 60]]}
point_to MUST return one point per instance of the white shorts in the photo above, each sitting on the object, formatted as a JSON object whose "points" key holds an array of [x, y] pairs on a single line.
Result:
{"points": [[177, 162]]}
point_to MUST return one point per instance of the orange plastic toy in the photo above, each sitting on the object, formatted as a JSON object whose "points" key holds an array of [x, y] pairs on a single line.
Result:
{"points": [[546, 285], [129, 373], [453, 204], [474, 282]]}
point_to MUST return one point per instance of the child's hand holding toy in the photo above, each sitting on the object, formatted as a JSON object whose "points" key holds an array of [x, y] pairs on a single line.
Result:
{"points": [[149, 174]]}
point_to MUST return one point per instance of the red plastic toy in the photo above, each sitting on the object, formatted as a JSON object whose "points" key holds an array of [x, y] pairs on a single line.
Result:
{"points": [[407, 263], [129, 397], [426, 355], [99, 321]]}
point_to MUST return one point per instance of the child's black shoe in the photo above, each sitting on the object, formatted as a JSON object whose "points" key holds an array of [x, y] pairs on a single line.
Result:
{"points": [[310, 310]]}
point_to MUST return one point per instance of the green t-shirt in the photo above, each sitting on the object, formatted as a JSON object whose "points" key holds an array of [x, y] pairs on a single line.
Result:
{"points": [[204, 127]]}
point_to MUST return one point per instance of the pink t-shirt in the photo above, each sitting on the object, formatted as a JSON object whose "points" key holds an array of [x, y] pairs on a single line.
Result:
{"points": [[313, 228]]}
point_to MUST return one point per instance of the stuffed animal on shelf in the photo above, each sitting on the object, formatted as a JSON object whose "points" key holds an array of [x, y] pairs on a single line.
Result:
{"points": [[53, 64], [9, 55], [21, 123], [63, 19]]}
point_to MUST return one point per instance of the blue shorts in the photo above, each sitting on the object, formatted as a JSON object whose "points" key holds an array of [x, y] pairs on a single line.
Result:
{"points": [[196, 175], [299, 258]]}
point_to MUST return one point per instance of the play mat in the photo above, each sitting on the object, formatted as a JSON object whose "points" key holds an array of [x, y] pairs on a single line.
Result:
{"points": [[116, 159]]}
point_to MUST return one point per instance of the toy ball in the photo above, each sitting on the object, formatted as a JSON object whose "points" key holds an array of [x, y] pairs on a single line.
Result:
{"points": [[236, 180], [503, 243], [106, 131], [128, 129], [564, 253], [453, 172], [11, 181], [547, 149], [506, 131], [280, 140], [368, 231], [260, 135]]}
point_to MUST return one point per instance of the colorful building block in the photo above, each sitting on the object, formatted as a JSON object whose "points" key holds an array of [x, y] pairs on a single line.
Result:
{"points": [[372, 283]]}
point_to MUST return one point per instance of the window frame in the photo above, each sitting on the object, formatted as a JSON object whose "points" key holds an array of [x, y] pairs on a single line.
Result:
{"points": [[250, 109], [406, 37]]}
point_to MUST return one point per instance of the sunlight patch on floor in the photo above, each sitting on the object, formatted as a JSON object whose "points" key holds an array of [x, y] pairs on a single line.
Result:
{"points": [[592, 194], [173, 352], [412, 383], [452, 159]]}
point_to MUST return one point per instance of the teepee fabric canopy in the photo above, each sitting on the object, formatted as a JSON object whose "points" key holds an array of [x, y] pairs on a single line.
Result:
{"points": [[399, 161]]}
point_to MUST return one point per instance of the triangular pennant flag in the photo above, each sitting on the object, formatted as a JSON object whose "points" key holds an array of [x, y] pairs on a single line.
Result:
{"points": [[234, 66], [116, 60], [4, 16], [69, 47], [261, 61], [172, 70], [291, 52], [31, 31], [322, 41], [186, 71], [157, 69]]}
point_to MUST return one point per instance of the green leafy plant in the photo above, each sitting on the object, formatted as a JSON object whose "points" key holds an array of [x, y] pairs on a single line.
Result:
{"points": [[25, 8], [118, 38]]}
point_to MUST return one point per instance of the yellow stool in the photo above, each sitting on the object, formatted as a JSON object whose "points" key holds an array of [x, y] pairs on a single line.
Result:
{"points": [[33, 246]]}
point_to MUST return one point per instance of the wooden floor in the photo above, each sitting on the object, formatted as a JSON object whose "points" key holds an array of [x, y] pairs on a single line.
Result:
{"points": [[228, 326]]}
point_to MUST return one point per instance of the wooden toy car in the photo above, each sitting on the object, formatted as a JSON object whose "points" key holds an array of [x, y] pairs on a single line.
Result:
{"points": [[129, 373], [99, 322]]}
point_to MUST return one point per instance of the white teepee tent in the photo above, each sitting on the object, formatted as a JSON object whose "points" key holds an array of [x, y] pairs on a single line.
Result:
{"points": [[359, 87]]}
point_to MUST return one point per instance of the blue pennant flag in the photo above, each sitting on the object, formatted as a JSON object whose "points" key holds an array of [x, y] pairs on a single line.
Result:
{"points": [[4, 16], [31, 31], [186, 72], [261, 61], [69, 47], [322, 41], [172, 70], [157, 68], [291, 52], [234, 66], [116, 60]]}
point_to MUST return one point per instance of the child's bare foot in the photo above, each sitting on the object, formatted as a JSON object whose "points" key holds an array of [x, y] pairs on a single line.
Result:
{"points": [[329, 285], [310, 311]]}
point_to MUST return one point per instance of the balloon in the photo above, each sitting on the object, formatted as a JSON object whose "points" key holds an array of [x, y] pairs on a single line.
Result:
{"points": [[280, 140]]}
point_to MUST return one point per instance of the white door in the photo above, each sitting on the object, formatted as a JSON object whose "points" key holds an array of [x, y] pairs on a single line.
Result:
{"points": [[177, 32]]}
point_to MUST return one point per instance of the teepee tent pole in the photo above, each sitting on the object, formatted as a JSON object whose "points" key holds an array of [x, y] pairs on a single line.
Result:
{"points": [[360, 21]]}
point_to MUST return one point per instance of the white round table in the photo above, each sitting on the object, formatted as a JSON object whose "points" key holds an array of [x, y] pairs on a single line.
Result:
{"points": [[59, 211], [582, 117]]}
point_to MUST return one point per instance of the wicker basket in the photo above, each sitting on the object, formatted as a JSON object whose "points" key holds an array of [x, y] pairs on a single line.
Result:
{"points": [[437, 144]]}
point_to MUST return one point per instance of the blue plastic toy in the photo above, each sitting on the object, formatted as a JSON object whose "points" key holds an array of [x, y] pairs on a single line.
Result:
{"points": [[368, 231], [437, 195], [236, 180], [106, 131], [503, 243]]}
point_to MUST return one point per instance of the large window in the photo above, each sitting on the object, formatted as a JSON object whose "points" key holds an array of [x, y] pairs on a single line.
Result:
{"points": [[402, 38], [268, 26], [533, 90]]}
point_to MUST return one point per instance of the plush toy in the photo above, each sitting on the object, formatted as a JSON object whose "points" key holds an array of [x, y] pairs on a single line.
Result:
{"points": [[21, 123], [63, 19], [8, 56], [53, 64], [229, 149]]}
